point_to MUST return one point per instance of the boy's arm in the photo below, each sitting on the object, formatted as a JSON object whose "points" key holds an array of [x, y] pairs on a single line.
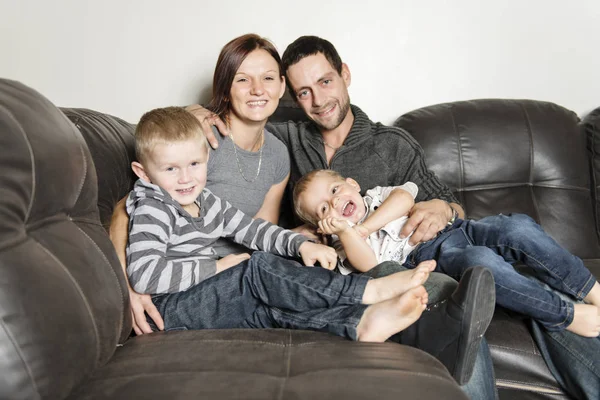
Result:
{"points": [[140, 303], [357, 251], [262, 235], [397, 204], [148, 267]]}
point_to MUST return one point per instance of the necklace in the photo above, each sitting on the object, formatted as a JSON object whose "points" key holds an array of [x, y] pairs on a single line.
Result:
{"points": [[239, 164], [331, 147]]}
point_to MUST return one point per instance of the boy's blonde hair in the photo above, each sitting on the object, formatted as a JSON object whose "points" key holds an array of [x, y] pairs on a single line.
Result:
{"points": [[301, 187], [165, 125]]}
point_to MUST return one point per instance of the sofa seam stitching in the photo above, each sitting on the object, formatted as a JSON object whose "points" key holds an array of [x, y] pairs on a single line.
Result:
{"points": [[114, 275], [20, 353]]}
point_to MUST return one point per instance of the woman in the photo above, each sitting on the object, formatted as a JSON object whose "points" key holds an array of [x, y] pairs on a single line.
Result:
{"points": [[250, 168]]}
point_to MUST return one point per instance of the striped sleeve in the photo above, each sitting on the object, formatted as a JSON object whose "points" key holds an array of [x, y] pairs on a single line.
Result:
{"points": [[258, 234], [149, 269]]}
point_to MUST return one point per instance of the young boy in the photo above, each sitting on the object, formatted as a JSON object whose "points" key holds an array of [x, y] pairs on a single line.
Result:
{"points": [[366, 232], [174, 220]]}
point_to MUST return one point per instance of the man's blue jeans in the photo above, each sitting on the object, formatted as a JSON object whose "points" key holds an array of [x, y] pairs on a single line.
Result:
{"points": [[267, 291], [499, 241], [573, 360]]}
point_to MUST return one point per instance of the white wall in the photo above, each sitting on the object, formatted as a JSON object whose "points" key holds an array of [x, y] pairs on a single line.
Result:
{"points": [[127, 56]]}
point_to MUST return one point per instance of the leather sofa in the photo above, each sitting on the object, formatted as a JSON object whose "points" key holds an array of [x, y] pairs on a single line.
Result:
{"points": [[64, 307], [65, 326], [519, 156]]}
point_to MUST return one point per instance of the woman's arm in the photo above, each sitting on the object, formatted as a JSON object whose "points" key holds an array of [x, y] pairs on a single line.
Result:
{"points": [[269, 211], [140, 303]]}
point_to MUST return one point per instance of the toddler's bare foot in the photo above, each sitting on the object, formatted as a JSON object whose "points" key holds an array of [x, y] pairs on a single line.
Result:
{"points": [[586, 320], [394, 285], [593, 296], [382, 320]]}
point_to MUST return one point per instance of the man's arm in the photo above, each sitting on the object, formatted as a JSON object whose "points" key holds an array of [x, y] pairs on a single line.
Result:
{"points": [[427, 218], [207, 120], [432, 210], [140, 303]]}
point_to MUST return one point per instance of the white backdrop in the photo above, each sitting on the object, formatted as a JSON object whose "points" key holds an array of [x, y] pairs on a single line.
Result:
{"points": [[127, 56]]}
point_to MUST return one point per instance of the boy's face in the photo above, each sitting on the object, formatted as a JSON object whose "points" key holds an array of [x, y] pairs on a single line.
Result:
{"points": [[327, 196], [179, 168]]}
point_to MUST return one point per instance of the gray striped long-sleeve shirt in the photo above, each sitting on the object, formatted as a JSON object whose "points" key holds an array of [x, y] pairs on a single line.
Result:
{"points": [[170, 251]]}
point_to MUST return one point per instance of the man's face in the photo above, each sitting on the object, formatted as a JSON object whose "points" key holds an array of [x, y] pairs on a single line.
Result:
{"points": [[320, 90], [179, 168], [329, 197]]}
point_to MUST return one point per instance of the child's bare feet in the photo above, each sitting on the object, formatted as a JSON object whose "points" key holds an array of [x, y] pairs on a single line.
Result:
{"points": [[394, 285], [586, 320], [593, 297], [382, 320]]}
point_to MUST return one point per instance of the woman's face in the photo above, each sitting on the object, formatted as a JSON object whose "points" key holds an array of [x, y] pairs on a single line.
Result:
{"points": [[256, 88]]}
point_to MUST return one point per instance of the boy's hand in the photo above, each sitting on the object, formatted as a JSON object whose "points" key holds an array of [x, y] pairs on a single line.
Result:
{"points": [[312, 252], [361, 230], [231, 260], [207, 120], [140, 303], [333, 226]]}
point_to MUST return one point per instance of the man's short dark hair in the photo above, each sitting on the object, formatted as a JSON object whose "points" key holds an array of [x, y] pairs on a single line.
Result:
{"points": [[306, 46]]}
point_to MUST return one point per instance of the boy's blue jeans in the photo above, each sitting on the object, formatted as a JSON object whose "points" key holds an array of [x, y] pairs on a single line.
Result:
{"points": [[267, 291], [499, 241]]}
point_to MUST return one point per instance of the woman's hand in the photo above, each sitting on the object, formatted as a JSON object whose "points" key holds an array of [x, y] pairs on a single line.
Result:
{"points": [[139, 304], [207, 119], [231, 260]]}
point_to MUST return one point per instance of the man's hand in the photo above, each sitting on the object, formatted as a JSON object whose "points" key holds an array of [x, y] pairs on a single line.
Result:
{"points": [[231, 260], [139, 304], [207, 120], [333, 226], [312, 252], [425, 220], [310, 232]]}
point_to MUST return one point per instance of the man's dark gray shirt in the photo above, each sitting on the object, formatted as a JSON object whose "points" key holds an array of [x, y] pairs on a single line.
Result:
{"points": [[373, 154]]}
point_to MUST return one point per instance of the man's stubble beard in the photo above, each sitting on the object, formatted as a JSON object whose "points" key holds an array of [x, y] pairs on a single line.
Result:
{"points": [[344, 108]]}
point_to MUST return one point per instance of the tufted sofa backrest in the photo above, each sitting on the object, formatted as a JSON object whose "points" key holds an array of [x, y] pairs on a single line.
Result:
{"points": [[512, 156], [62, 294]]}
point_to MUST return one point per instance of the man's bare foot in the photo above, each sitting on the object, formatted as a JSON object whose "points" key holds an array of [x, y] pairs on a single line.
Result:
{"points": [[394, 285], [382, 320], [586, 320], [593, 297]]}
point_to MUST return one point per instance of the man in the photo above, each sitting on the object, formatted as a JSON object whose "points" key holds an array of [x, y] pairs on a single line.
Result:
{"points": [[341, 137]]}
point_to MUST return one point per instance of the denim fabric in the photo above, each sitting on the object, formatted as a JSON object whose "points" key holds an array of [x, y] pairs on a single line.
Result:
{"points": [[499, 241], [482, 385], [268, 291], [438, 286], [573, 360]]}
